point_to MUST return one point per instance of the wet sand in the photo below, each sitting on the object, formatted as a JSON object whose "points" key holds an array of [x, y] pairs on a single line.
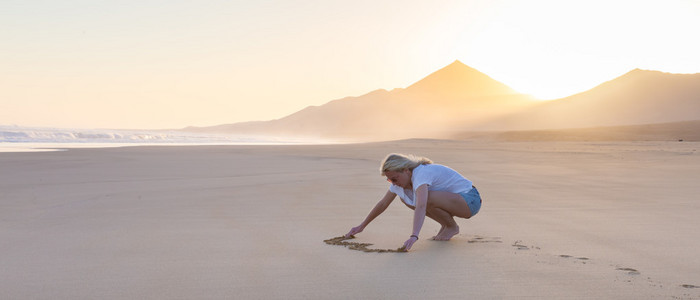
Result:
{"points": [[611, 220]]}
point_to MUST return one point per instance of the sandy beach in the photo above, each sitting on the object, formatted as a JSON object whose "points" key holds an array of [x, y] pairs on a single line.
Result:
{"points": [[572, 220]]}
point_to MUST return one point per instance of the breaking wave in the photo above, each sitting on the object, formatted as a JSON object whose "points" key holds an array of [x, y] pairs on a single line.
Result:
{"points": [[14, 134]]}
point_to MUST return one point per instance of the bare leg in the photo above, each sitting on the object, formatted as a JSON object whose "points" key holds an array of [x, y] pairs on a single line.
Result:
{"points": [[449, 226], [436, 219], [443, 207], [442, 228], [429, 214]]}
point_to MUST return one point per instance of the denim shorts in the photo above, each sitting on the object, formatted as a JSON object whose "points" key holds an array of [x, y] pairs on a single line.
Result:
{"points": [[473, 200]]}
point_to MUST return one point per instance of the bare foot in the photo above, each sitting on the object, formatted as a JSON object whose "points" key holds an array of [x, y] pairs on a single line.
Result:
{"points": [[439, 233], [447, 233]]}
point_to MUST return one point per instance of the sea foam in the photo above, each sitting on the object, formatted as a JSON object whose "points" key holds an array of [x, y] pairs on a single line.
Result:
{"points": [[16, 134]]}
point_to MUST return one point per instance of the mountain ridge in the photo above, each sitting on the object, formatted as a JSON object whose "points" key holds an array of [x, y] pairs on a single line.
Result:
{"points": [[459, 98], [634, 98]]}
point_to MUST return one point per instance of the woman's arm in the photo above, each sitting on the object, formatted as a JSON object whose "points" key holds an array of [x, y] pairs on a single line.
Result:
{"points": [[375, 212], [418, 214]]}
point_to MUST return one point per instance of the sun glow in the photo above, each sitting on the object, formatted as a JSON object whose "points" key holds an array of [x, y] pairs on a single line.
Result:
{"points": [[134, 64], [553, 49]]}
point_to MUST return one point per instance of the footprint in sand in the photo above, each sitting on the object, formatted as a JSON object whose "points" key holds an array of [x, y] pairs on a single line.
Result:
{"points": [[483, 239], [629, 271], [569, 256], [520, 246]]}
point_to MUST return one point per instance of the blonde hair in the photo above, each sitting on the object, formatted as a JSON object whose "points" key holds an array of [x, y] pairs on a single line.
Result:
{"points": [[399, 162]]}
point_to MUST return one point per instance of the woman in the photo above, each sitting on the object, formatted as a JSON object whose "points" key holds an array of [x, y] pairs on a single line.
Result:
{"points": [[430, 190]]}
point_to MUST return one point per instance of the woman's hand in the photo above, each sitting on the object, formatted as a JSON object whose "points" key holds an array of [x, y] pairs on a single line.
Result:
{"points": [[409, 243], [355, 230]]}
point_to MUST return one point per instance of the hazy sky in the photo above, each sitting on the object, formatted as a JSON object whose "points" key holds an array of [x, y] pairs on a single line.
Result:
{"points": [[170, 64]]}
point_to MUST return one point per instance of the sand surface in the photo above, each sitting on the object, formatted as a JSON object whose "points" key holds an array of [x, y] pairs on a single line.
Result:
{"points": [[573, 220]]}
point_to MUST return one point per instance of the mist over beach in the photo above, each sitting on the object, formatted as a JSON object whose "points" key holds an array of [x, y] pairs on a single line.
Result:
{"points": [[207, 150]]}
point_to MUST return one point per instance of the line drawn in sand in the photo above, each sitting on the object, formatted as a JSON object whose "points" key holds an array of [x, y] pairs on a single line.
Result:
{"points": [[364, 247]]}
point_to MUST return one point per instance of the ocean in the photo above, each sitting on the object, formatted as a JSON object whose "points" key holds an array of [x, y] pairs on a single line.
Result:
{"points": [[26, 139]]}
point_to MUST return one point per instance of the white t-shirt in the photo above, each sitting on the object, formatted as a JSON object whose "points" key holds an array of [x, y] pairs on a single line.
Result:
{"points": [[437, 177]]}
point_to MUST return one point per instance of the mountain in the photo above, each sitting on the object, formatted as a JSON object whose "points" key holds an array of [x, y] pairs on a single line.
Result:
{"points": [[637, 97], [458, 99], [458, 80], [446, 100]]}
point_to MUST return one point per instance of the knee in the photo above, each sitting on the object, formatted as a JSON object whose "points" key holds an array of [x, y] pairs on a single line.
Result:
{"points": [[430, 205]]}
